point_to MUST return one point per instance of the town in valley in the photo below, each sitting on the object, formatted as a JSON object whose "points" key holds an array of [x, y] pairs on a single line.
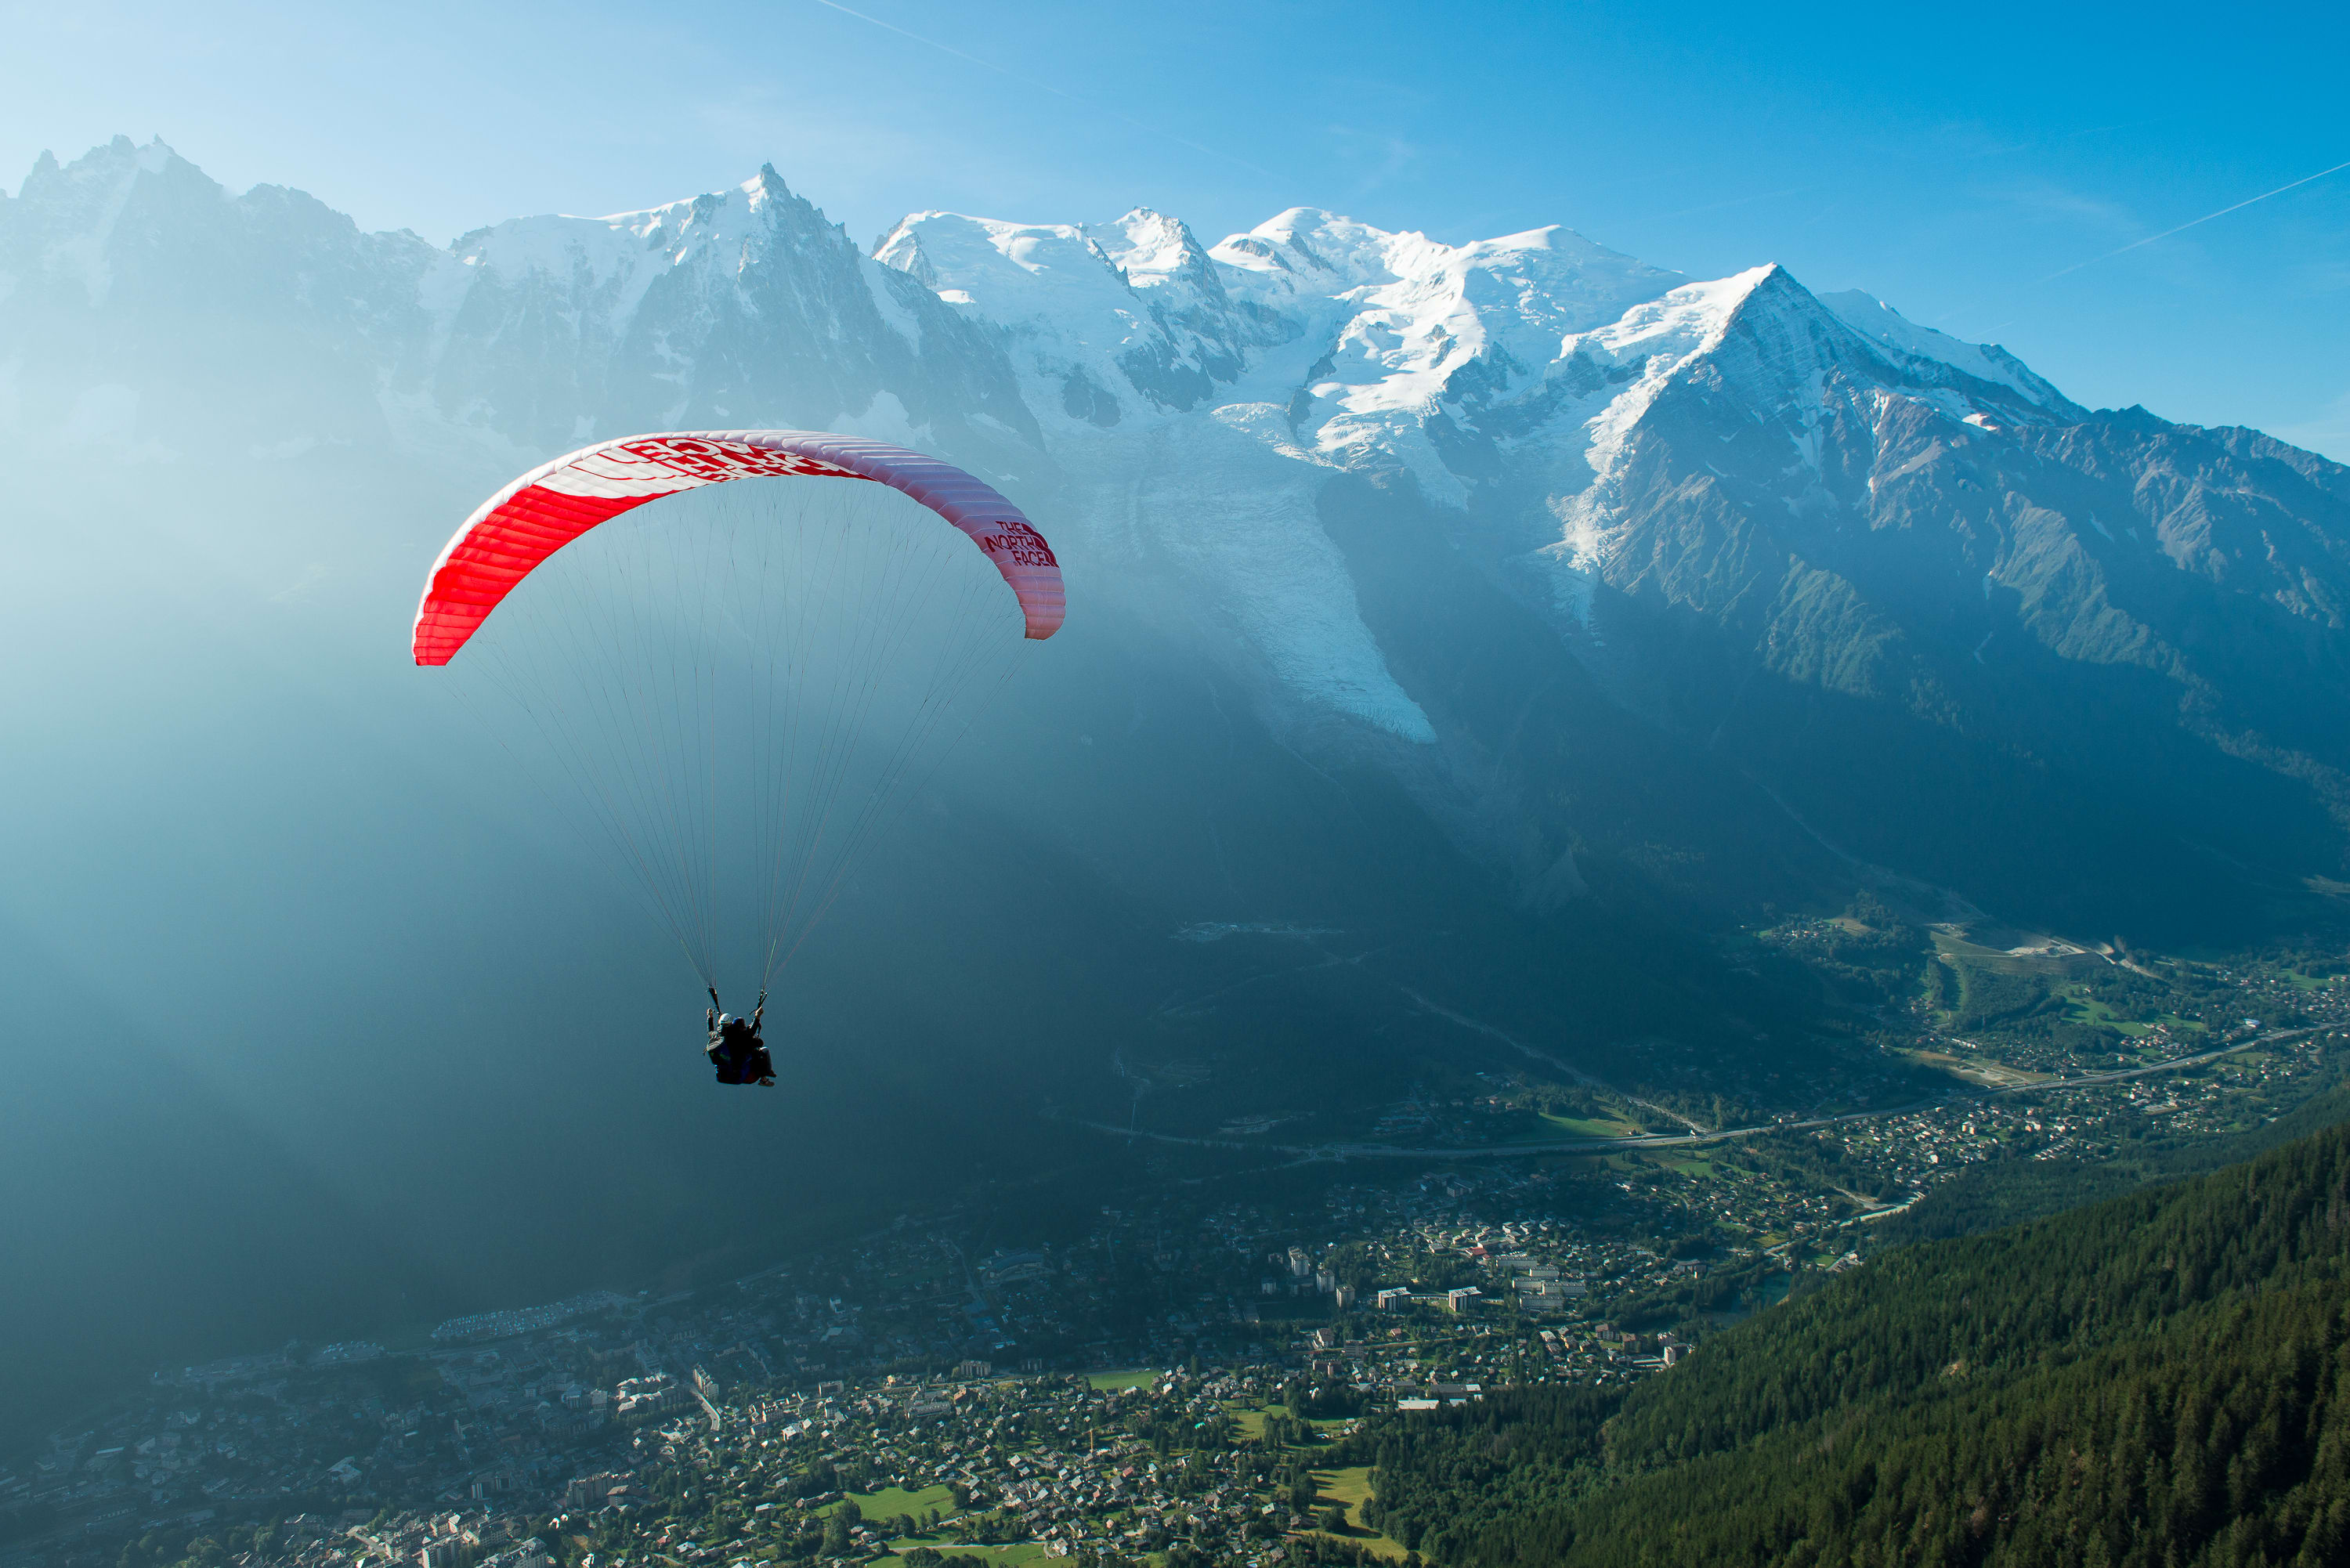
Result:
{"points": [[1177, 1377]]}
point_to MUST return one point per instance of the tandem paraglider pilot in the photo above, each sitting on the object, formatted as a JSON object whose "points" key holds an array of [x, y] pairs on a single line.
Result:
{"points": [[845, 591], [736, 1048]]}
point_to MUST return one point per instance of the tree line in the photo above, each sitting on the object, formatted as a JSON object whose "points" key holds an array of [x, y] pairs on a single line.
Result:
{"points": [[2154, 1379]]}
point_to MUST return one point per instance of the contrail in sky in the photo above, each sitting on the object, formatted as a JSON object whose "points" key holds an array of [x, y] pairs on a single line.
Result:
{"points": [[2206, 218], [1047, 87]]}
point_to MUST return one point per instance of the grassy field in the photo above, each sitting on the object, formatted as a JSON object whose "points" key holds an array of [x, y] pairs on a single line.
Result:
{"points": [[1978, 1070], [1587, 1127], [2087, 1009], [1139, 1377], [891, 1501], [1351, 1488], [1249, 1422], [994, 1556], [2081, 1007], [2007, 961]]}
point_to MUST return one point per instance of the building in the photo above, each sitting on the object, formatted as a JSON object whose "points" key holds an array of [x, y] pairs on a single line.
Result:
{"points": [[1006, 1268], [647, 1396], [588, 1493]]}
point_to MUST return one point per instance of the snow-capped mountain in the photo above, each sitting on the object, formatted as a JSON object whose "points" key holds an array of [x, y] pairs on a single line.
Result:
{"points": [[1621, 574]]}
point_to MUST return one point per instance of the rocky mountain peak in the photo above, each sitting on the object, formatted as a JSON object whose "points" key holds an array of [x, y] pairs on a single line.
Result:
{"points": [[1154, 250], [1741, 511]]}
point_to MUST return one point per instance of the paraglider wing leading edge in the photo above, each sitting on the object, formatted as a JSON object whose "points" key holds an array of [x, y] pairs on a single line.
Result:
{"points": [[545, 509]]}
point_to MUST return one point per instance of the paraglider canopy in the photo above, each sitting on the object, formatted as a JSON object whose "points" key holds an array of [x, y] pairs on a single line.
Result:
{"points": [[528, 521], [737, 678]]}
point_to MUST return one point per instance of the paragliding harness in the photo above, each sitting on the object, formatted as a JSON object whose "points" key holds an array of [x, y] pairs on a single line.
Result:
{"points": [[736, 1048]]}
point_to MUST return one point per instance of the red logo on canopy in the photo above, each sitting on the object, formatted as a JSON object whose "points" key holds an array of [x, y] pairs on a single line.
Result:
{"points": [[711, 461], [1022, 544]]}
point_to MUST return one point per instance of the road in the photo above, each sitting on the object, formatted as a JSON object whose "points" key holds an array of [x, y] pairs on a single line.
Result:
{"points": [[1569, 1068], [1673, 1140]]}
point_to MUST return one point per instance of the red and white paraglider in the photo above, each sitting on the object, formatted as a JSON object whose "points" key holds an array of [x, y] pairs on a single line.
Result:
{"points": [[735, 658], [519, 528]]}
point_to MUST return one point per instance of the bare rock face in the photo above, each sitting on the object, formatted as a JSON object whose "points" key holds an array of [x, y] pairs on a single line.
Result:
{"points": [[1638, 587], [2096, 656], [135, 272]]}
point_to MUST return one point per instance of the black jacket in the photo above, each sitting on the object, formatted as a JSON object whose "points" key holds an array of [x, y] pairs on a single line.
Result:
{"points": [[738, 1053]]}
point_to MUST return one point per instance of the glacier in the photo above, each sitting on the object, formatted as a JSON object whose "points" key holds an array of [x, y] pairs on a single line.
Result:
{"points": [[1686, 485], [1532, 616], [1175, 408], [1200, 397]]}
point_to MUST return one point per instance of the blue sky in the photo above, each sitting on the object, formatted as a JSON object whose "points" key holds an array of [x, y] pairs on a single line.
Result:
{"points": [[1977, 167]]}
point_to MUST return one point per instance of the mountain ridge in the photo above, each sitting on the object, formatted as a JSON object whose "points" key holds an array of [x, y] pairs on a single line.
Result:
{"points": [[1743, 511], [1334, 666]]}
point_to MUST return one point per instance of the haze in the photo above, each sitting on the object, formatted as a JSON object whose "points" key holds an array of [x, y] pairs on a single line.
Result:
{"points": [[318, 1024]]}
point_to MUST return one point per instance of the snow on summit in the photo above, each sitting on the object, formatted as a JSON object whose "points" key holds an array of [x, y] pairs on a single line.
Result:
{"points": [[1203, 397], [1378, 348], [1178, 411], [1879, 322]]}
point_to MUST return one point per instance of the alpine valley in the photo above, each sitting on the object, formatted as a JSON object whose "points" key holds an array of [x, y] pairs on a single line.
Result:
{"points": [[1470, 648], [1640, 588]]}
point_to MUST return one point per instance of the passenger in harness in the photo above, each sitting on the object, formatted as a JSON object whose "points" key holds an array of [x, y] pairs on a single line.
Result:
{"points": [[736, 1048]]}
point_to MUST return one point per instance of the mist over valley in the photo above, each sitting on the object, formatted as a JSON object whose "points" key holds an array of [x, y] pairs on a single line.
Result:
{"points": [[1556, 772]]}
